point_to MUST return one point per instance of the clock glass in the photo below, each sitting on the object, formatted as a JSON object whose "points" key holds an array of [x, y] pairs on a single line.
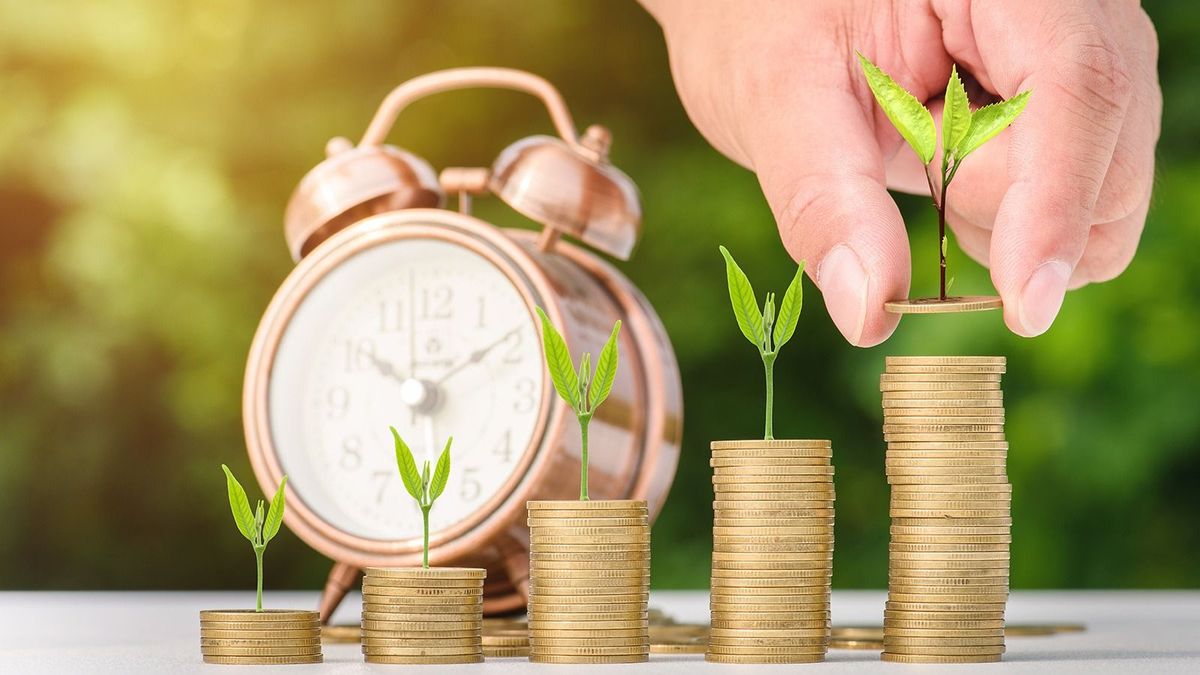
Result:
{"points": [[421, 334]]}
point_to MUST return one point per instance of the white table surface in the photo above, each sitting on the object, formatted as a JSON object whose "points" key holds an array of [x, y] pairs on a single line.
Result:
{"points": [[130, 633]]}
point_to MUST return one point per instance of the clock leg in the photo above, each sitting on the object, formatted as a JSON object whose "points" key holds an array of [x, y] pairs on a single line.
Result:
{"points": [[341, 579]]}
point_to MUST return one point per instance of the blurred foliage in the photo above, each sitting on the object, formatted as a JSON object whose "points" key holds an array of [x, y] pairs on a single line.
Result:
{"points": [[147, 150]]}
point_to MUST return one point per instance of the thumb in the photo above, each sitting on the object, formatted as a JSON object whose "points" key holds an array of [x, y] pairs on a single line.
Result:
{"points": [[823, 174]]}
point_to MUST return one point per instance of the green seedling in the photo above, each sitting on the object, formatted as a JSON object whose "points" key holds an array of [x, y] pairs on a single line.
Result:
{"points": [[584, 390], [258, 528], [963, 132], [764, 328], [420, 484]]}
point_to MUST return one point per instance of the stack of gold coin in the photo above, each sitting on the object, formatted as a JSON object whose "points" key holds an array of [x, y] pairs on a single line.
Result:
{"points": [[270, 637], [951, 524], [772, 551], [422, 615], [589, 581]]}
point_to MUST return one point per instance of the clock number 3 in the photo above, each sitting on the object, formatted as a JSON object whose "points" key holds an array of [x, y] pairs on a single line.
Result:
{"points": [[524, 402]]}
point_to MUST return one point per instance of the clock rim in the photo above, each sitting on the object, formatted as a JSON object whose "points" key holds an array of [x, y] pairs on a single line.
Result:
{"points": [[492, 517]]}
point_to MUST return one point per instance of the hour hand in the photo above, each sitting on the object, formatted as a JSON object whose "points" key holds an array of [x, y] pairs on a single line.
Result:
{"points": [[387, 368], [477, 355]]}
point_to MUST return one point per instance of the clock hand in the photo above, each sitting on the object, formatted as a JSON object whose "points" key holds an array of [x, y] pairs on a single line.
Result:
{"points": [[387, 368], [476, 356]]}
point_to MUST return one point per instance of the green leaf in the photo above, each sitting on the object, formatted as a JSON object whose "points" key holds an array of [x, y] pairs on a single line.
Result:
{"points": [[741, 295], [239, 504], [956, 115], [274, 514], [768, 321], [789, 309], [911, 119], [606, 369], [991, 120], [441, 475], [558, 361], [408, 467]]}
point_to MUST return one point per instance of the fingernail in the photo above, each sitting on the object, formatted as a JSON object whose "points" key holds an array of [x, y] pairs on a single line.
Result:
{"points": [[844, 284], [1042, 297]]}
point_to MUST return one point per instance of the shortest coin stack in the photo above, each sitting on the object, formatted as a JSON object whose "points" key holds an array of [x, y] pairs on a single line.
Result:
{"points": [[245, 637], [416, 615], [772, 551], [589, 581]]}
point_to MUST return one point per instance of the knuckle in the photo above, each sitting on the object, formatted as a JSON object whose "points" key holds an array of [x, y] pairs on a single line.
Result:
{"points": [[1092, 64]]}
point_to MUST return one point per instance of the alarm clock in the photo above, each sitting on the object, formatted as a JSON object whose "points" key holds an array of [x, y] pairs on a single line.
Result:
{"points": [[404, 313]]}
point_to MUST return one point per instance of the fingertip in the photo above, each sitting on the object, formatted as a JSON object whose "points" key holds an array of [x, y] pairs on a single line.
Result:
{"points": [[849, 289]]}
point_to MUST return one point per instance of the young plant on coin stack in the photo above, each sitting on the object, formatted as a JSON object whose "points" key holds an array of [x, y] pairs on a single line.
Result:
{"points": [[963, 132], [258, 636], [773, 516], [424, 614], [589, 560]]}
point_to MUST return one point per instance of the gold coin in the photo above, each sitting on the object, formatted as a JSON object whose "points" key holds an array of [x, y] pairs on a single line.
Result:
{"points": [[584, 632], [903, 429], [760, 527], [415, 660], [761, 658], [577, 530], [982, 577], [943, 651], [770, 594], [542, 614], [794, 551], [593, 659], [898, 632], [948, 494], [424, 601], [206, 642], [420, 636], [576, 523], [551, 578], [541, 599], [314, 626], [946, 368], [550, 644], [910, 658], [750, 563], [917, 556], [458, 608], [261, 660], [555, 546], [568, 568], [447, 649], [965, 361], [296, 650], [736, 463], [505, 652], [814, 485], [948, 305], [756, 624], [565, 518], [925, 385], [938, 469], [426, 573], [1046, 629], [851, 643], [591, 626], [734, 586], [773, 444], [613, 573], [406, 641], [539, 607], [813, 650], [521, 640], [780, 576], [677, 648], [978, 408], [962, 596], [936, 593], [370, 624], [470, 614], [589, 539], [789, 643], [939, 376], [944, 480], [812, 629], [943, 620], [958, 487], [775, 470], [947, 547], [265, 616], [943, 424], [585, 505], [793, 512], [262, 633], [932, 606], [430, 586]]}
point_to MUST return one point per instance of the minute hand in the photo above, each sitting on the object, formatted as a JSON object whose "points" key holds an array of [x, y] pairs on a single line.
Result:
{"points": [[476, 356]]}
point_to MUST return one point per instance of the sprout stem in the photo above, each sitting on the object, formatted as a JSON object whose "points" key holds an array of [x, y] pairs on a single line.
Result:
{"points": [[258, 556], [769, 369], [425, 523], [583, 469]]}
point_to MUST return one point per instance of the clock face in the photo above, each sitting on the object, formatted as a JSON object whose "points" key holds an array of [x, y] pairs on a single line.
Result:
{"points": [[423, 335]]}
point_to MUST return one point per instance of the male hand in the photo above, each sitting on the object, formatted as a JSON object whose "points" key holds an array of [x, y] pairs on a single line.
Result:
{"points": [[1056, 202]]}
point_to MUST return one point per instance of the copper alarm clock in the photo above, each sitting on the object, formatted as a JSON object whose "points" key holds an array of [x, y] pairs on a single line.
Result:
{"points": [[401, 312]]}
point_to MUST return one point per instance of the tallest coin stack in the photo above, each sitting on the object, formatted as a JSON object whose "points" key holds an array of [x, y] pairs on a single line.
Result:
{"points": [[951, 524]]}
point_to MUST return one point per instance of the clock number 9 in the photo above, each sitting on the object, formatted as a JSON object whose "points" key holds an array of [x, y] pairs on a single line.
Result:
{"points": [[339, 403]]}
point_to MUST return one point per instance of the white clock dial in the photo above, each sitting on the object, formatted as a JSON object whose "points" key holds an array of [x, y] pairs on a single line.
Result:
{"points": [[422, 335]]}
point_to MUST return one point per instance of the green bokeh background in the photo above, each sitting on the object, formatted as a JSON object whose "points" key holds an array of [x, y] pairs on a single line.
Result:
{"points": [[147, 150]]}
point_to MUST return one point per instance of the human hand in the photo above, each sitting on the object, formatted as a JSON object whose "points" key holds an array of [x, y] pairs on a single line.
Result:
{"points": [[1056, 202]]}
